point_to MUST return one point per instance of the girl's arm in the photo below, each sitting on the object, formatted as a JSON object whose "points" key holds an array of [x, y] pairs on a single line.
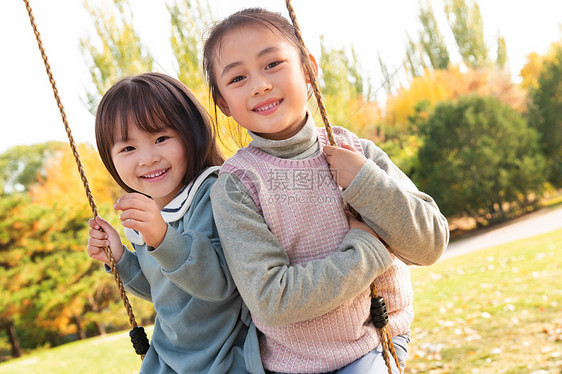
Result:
{"points": [[276, 292], [408, 220], [191, 255]]}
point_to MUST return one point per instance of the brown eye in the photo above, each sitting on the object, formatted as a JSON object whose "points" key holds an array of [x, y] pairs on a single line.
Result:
{"points": [[128, 149], [272, 65], [237, 79]]}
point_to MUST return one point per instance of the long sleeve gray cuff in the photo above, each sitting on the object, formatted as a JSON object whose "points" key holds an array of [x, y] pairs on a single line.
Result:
{"points": [[127, 266], [173, 251]]}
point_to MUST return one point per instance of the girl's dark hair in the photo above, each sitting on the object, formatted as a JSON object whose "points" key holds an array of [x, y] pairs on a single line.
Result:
{"points": [[154, 102], [252, 16]]}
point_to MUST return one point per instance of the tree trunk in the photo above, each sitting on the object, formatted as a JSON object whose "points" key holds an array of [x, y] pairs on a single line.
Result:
{"points": [[14, 341], [96, 309], [101, 328], [81, 333]]}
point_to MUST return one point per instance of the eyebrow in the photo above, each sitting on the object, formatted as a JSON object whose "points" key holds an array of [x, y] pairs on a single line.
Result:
{"points": [[120, 141], [232, 65], [118, 138]]}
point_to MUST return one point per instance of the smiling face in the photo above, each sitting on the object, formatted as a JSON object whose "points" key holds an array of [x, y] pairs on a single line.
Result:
{"points": [[152, 163], [261, 81]]}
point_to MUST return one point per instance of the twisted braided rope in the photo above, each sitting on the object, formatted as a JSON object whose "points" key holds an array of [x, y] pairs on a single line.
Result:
{"points": [[386, 341], [312, 76], [87, 189]]}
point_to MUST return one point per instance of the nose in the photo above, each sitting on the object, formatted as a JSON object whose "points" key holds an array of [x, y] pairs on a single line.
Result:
{"points": [[148, 157], [261, 85]]}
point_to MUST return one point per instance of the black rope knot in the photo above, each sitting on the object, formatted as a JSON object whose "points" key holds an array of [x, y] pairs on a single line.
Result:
{"points": [[379, 316], [139, 340]]}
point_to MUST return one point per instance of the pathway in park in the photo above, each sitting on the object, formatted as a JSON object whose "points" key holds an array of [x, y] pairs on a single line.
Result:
{"points": [[539, 222]]}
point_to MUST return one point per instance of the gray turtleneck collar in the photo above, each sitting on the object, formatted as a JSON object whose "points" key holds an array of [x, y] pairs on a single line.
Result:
{"points": [[303, 144]]}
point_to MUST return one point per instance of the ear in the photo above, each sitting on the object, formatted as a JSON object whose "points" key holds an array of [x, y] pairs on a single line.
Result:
{"points": [[221, 103], [314, 66]]}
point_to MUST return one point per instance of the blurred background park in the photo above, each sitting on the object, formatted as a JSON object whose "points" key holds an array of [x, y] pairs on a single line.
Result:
{"points": [[476, 126]]}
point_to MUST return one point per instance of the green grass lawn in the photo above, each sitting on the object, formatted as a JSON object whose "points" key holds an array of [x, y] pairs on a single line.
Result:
{"points": [[497, 310], [110, 354]]}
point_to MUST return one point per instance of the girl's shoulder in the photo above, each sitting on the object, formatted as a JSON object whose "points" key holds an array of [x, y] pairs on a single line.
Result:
{"points": [[204, 189], [241, 159]]}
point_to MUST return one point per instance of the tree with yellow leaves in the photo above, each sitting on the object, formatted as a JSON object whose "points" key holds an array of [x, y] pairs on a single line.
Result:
{"points": [[435, 86], [51, 287]]}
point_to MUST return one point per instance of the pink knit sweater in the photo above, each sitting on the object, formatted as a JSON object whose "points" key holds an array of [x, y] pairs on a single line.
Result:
{"points": [[303, 208]]}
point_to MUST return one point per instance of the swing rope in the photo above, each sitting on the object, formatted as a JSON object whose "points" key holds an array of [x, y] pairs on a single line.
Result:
{"points": [[312, 76], [379, 315], [137, 334]]}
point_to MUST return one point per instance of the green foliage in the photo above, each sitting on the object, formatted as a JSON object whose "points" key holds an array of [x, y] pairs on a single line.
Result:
{"points": [[9, 224], [501, 53], [388, 79], [21, 166], [341, 80], [431, 39], [52, 290], [346, 92], [49, 281], [479, 158], [121, 52], [25, 273], [545, 114], [403, 151], [468, 28], [188, 20], [415, 64], [429, 50]]}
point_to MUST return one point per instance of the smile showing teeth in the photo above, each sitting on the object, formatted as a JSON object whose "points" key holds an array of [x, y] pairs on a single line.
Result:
{"points": [[154, 175], [269, 106]]}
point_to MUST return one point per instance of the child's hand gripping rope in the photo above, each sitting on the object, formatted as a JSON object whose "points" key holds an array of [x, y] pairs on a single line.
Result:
{"points": [[345, 162]]}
